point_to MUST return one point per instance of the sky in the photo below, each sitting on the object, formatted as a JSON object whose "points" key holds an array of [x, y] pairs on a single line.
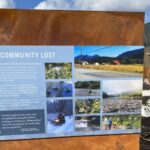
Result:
{"points": [[111, 51], [147, 16], [99, 5], [119, 86], [26, 4]]}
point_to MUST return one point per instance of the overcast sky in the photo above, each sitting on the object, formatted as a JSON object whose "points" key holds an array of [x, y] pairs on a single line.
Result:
{"points": [[100, 5], [119, 86]]}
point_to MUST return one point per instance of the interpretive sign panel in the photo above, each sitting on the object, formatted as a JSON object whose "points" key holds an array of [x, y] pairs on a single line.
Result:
{"points": [[55, 91]]}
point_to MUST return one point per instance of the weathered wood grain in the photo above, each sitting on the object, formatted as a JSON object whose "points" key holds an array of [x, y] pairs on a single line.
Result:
{"points": [[22, 27], [115, 142], [70, 28]]}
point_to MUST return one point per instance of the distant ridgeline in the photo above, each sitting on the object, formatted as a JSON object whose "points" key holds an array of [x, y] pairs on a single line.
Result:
{"points": [[129, 57], [147, 34]]}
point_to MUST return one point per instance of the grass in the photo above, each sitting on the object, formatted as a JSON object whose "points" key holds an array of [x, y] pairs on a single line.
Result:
{"points": [[135, 121], [132, 96], [136, 68]]}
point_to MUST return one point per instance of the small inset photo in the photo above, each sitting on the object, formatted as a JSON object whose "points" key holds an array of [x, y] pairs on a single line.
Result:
{"points": [[60, 116], [87, 88], [122, 96], [87, 123], [59, 89], [146, 93], [122, 122], [146, 76], [146, 100], [58, 70], [146, 106], [146, 84], [87, 106]]}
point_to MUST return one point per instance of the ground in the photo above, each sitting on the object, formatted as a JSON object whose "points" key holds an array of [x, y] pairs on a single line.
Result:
{"points": [[116, 105], [88, 73]]}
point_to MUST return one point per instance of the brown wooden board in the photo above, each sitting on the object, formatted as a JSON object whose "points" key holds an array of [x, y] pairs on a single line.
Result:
{"points": [[119, 142], [70, 28], [26, 27]]}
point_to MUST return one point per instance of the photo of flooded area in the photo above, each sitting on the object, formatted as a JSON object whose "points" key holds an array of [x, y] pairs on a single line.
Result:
{"points": [[87, 88], [122, 96]]}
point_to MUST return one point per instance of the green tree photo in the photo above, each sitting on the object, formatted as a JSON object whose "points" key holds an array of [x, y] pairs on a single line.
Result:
{"points": [[87, 106], [58, 70]]}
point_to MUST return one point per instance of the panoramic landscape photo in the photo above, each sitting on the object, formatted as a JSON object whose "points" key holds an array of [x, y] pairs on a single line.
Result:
{"points": [[122, 96], [108, 61]]}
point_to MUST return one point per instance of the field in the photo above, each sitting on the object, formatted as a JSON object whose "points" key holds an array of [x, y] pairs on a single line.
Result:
{"points": [[137, 95], [120, 68]]}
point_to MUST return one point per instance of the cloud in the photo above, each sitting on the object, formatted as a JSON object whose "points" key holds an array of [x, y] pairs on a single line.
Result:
{"points": [[54, 4], [120, 86], [7, 4], [101, 5]]}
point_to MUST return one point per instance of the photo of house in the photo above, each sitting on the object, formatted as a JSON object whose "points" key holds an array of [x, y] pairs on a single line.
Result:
{"points": [[87, 123]]}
